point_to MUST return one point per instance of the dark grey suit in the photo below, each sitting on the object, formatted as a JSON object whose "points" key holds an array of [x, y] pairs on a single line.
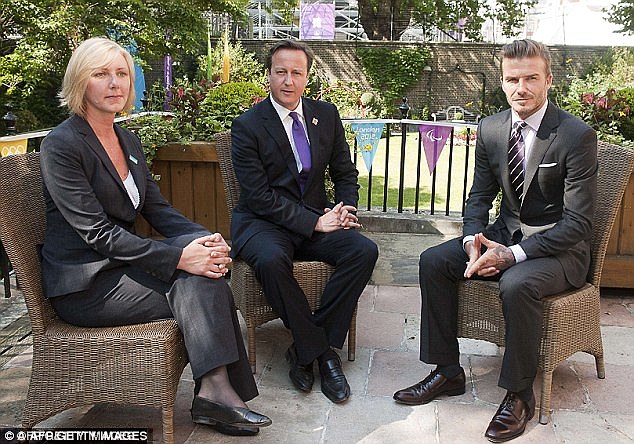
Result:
{"points": [[558, 205], [98, 272], [274, 221]]}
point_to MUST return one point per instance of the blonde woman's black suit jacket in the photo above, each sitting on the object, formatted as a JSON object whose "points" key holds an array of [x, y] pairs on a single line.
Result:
{"points": [[82, 186]]}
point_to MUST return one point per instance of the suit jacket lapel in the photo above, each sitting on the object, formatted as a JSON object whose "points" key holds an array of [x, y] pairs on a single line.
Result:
{"points": [[93, 142], [543, 140], [275, 128]]}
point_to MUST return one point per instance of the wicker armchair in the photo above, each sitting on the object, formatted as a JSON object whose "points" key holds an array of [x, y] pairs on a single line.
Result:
{"points": [[247, 292], [74, 366], [571, 318]]}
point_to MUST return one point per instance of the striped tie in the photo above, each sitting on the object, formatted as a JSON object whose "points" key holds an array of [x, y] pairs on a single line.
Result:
{"points": [[516, 157]]}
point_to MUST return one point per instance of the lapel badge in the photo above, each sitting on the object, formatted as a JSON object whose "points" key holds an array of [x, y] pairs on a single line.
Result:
{"points": [[315, 121], [133, 159]]}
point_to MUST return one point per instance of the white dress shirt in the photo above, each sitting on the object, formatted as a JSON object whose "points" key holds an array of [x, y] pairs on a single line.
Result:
{"points": [[287, 121]]}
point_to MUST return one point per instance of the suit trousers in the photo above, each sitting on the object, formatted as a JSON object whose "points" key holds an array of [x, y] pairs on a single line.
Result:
{"points": [[271, 254], [522, 286], [202, 307]]}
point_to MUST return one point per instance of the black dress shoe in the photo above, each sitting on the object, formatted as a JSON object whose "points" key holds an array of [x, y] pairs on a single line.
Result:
{"points": [[235, 430], [301, 375], [333, 381], [211, 413], [431, 387], [511, 418]]}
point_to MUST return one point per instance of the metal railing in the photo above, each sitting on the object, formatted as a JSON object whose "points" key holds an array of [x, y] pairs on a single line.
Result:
{"points": [[452, 172]]}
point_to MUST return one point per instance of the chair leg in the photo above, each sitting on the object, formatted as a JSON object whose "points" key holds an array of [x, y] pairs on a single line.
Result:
{"points": [[600, 363], [544, 404], [352, 337], [5, 266], [168, 425], [251, 346]]}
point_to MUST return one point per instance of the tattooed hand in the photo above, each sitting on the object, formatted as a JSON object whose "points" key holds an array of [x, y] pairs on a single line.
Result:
{"points": [[496, 258]]}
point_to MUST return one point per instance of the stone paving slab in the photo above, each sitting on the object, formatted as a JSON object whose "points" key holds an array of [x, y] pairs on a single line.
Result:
{"points": [[579, 428], [585, 408]]}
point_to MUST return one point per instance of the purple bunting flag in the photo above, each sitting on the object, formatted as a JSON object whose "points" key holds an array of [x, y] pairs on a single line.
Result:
{"points": [[434, 138]]}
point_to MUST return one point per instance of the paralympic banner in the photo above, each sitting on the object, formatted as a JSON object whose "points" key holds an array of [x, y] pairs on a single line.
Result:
{"points": [[368, 136], [434, 138], [316, 21]]}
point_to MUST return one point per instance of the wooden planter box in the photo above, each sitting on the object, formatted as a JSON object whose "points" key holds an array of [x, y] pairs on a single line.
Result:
{"points": [[190, 179], [618, 270]]}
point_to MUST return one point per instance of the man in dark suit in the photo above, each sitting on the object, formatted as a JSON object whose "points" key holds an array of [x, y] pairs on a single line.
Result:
{"points": [[539, 245], [281, 149]]}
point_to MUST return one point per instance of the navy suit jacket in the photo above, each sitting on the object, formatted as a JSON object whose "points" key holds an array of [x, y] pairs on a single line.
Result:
{"points": [[559, 189], [90, 217], [270, 194]]}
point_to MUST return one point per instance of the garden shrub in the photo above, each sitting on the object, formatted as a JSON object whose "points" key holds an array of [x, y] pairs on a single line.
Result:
{"points": [[227, 101], [243, 66], [392, 71], [351, 99], [605, 97]]}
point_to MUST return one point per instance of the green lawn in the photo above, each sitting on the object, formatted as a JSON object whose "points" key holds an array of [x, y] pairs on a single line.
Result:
{"points": [[411, 158]]}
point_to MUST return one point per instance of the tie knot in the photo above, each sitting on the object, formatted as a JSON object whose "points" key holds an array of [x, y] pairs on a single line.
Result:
{"points": [[519, 125], [295, 116]]}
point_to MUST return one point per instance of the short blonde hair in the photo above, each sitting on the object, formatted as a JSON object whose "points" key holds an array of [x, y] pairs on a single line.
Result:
{"points": [[91, 55]]}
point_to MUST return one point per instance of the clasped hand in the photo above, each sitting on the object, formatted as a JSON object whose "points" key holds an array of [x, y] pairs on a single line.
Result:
{"points": [[495, 259], [339, 217], [206, 256]]}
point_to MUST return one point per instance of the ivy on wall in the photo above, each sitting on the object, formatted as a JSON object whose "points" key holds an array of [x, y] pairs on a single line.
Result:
{"points": [[392, 71]]}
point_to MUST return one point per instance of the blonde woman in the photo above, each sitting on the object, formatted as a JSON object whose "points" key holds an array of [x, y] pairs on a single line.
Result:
{"points": [[98, 272]]}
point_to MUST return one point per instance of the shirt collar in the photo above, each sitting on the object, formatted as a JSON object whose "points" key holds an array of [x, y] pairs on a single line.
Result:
{"points": [[534, 120], [284, 112]]}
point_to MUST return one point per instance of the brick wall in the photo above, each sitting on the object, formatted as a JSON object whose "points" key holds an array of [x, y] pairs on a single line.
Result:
{"points": [[460, 71]]}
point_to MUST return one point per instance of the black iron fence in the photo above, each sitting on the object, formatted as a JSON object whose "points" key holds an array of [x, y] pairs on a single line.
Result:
{"points": [[400, 168]]}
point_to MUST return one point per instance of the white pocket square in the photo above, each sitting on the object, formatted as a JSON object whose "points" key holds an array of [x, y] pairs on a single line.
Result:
{"points": [[547, 165]]}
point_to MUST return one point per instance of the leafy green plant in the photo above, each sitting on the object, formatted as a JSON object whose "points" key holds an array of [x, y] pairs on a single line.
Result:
{"points": [[392, 71], [604, 98], [494, 102], [227, 101], [243, 66], [154, 131], [187, 98], [606, 112], [199, 110], [350, 98]]}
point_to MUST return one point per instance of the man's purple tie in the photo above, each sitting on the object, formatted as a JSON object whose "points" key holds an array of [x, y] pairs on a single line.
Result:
{"points": [[516, 157], [303, 148]]}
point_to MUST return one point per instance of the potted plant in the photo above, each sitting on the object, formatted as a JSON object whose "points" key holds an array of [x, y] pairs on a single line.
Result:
{"points": [[178, 145]]}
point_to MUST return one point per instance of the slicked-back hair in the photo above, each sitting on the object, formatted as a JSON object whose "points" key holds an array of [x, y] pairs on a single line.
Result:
{"points": [[520, 49], [295, 45], [90, 56]]}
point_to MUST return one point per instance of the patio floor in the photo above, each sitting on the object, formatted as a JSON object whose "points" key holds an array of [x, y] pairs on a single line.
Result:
{"points": [[585, 409]]}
